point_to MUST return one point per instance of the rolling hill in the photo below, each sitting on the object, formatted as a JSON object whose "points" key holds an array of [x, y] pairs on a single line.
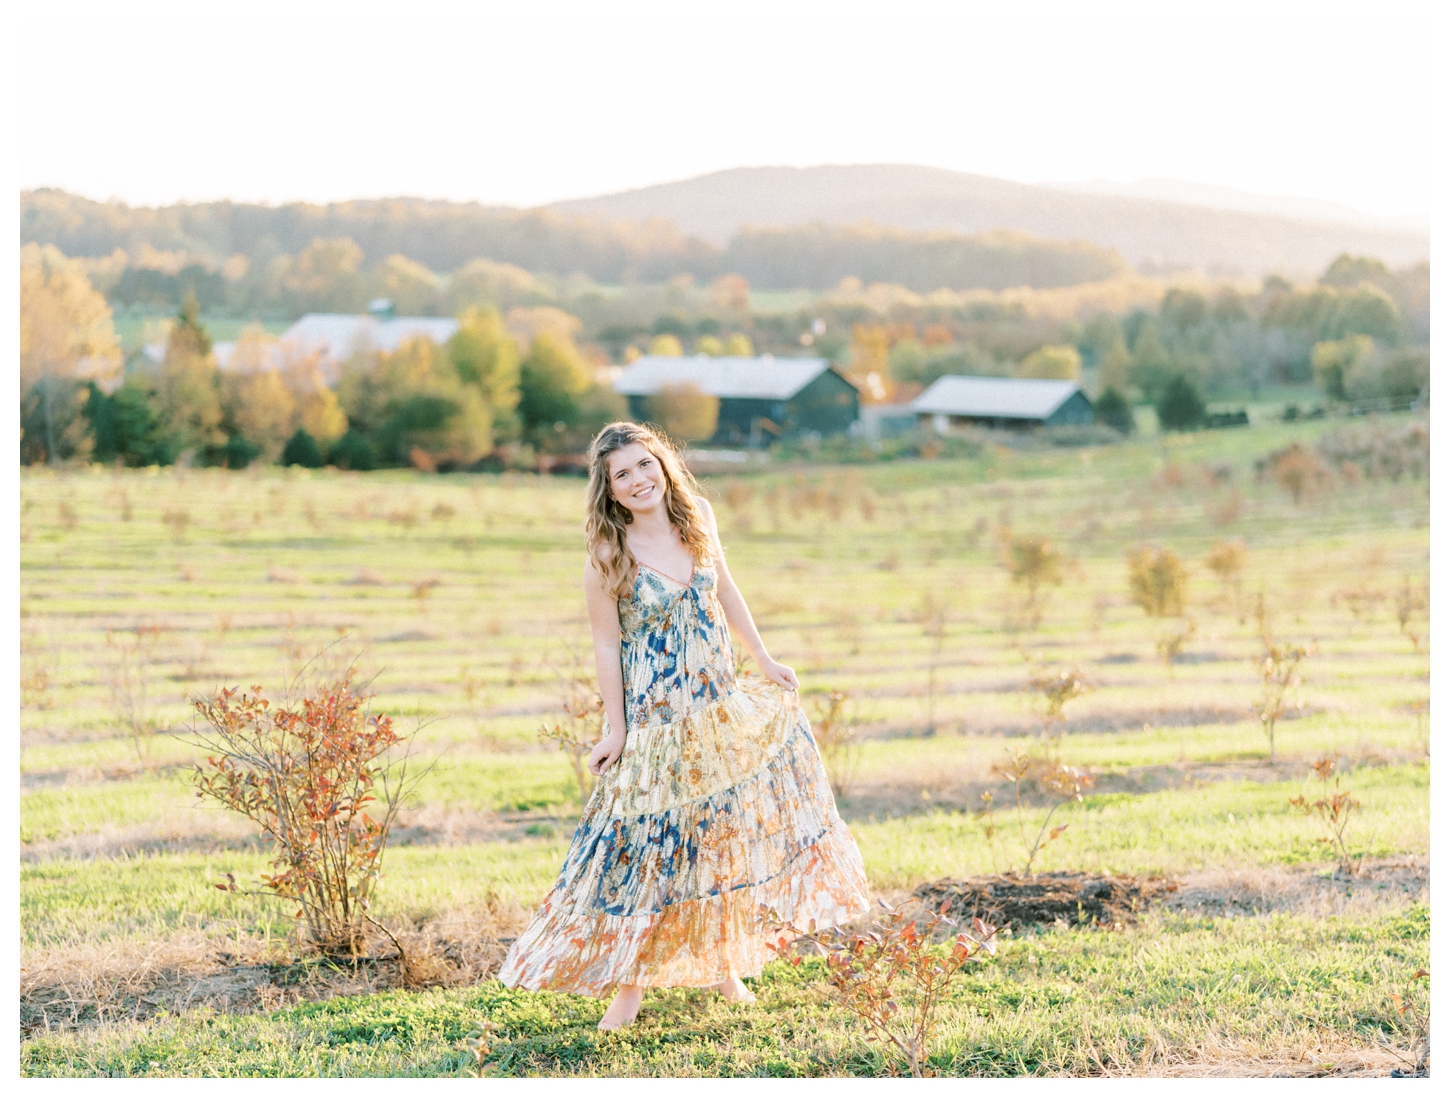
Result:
{"points": [[1150, 233]]}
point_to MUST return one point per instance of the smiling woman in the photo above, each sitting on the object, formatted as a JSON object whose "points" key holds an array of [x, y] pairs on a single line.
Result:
{"points": [[713, 810]]}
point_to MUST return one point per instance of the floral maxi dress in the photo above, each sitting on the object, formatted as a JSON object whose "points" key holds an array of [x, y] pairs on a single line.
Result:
{"points": [[717, 812]]}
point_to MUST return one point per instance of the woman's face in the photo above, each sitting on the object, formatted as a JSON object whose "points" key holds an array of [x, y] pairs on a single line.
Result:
{"points": [[636, 479]]}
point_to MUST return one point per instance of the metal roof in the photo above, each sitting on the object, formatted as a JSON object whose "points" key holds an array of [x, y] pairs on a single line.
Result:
{"points": [[995, 397], [760, 378], [339, 335]]}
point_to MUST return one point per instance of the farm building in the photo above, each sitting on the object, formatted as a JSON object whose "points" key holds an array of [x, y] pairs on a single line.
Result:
{"points": [[339, 335], [761, 399], [1011, 402], [333, 336]]}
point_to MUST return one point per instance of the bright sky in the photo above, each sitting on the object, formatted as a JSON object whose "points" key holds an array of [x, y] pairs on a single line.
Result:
{"points": [[530, 101]]}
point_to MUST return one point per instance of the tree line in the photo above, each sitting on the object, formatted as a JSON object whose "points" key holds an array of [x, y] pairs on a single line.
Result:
{"points": [[520, 379], [480, 397], [289, 258]]}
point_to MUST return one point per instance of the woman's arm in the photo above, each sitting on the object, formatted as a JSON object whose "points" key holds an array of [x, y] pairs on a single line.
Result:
{"points": [[604, 627], [737, 613]]}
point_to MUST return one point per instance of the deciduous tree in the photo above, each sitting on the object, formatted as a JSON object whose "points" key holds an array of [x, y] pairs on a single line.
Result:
{"points": [[188, 390], [685, 412], [552, 378], [66, 340], [1052, 361]]}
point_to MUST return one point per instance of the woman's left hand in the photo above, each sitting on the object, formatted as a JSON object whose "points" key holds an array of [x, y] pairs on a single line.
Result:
{"points": [[780, 674]]}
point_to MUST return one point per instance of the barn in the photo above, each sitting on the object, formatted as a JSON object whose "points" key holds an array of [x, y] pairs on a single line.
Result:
{"points": [[1002, 402], [761, 398]]}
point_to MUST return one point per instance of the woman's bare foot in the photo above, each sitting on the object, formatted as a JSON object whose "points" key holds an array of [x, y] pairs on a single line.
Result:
{"points": [[733, 991], [624, 1008]]}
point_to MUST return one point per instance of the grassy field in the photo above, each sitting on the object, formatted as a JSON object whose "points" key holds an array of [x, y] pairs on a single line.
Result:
{"points": [[459, 598]]}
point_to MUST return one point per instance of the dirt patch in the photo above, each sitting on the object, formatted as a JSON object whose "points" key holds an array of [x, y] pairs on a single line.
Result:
{"points": [[1070, 899], [1085, 899]]}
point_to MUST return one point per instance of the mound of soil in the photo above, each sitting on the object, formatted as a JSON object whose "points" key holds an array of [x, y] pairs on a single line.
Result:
{"points": [[1077, 899]]}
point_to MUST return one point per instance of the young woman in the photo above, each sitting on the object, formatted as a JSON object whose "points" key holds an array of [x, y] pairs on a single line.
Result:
{"points": [[712, 807]]}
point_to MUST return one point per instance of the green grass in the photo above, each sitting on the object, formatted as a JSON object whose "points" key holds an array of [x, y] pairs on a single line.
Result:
{"points": [[1061, 1002], [837, 563], [1225, 824]]}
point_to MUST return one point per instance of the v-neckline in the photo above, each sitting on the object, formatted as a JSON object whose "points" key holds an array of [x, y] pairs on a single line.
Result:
{"points": [[678, 583]]}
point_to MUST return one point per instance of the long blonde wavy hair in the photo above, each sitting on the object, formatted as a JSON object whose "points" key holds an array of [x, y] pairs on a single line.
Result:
{"points": [[607, 518]]}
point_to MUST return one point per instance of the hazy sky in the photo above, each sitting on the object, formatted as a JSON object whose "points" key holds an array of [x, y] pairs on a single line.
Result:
{"points": [[528, 102]]}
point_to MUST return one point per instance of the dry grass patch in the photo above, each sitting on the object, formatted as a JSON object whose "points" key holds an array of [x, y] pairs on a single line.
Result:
{"points": [[104, 983]]}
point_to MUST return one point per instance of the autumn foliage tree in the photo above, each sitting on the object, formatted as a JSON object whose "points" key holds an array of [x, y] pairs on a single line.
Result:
{"points": [[66, 340], [685, 411], [188, 385]]}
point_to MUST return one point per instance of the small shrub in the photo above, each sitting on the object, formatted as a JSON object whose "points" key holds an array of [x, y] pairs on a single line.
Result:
{"points": [[122, 500], [1298, 471], [738, 494], [864, 971], [177, 521], [1062, 784], [425, 587], [1057, 689], [1170, 644], [833, 725], [1332, 809], [1226, 560], [130, 678], [1410, 601], [1279, 673], [1412, 1019], [932, 617], [1034, 564], [1379, 451], [582, 725], [1157, 582], [1227, 509], [38, 674], [324, 781], [1361, 601]]}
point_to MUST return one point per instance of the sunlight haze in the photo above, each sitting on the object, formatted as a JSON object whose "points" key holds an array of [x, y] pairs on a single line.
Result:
{"points": [[266, 102]]}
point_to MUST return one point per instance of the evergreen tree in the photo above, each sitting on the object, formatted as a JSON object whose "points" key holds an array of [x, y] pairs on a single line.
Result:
{"points": [[1113, 411], [353, 451], [1180, 408], [238, 453], [302, 449]]}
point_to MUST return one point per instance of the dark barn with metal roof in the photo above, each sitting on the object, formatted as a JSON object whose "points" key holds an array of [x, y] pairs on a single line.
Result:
{"points": [[761, 399]]}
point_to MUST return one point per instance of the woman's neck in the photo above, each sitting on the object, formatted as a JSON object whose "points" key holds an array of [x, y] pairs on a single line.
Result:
{"points": [[654, 523]]}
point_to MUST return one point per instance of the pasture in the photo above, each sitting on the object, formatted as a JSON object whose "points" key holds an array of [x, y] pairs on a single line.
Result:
{"points": [[458, 598]]}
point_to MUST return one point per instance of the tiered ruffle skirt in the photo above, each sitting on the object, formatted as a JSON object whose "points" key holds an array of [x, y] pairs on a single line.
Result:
{"points": [[702, 828]]}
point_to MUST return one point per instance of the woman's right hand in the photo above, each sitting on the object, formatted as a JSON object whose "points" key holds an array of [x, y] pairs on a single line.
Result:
{"points": [[605, 752]]}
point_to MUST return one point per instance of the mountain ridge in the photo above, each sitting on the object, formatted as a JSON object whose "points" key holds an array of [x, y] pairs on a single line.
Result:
{"points": [[1152, 234]]}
